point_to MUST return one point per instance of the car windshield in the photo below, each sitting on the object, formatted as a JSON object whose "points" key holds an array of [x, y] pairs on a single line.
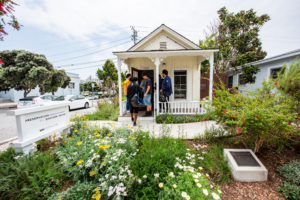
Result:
{"points": [[59, 98], [29, 98]]}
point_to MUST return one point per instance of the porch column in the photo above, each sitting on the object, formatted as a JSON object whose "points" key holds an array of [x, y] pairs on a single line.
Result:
{"points": [[211, 75], [120, 86], [157, 61]]}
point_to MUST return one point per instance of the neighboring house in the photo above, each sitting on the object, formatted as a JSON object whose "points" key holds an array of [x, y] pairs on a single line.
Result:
{"points": [[162, 49], [73, 88], [269, 67], [90, 78]]}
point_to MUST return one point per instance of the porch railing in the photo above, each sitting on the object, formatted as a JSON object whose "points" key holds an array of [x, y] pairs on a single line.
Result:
{"points": [[182, 108]]}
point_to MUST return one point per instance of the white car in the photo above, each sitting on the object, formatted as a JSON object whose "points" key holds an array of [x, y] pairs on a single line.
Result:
{"points": [[92, 97], [77, 101], [35, 101]]}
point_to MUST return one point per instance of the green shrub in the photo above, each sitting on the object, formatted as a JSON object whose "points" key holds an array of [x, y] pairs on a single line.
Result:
{"points": [[212, 134], [33, 176], [291, 172], [260, 117], [105, 111], [175, 119], [289, 191]]}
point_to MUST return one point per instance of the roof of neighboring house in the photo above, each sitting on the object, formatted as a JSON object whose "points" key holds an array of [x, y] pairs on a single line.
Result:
{"points": [[270, 59], [163, 26]]}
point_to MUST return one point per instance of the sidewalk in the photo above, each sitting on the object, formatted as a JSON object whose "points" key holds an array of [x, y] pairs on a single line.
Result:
{"points": [[187, 130]]}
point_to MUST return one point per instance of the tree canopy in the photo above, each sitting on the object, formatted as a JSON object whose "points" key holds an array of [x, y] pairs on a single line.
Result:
{"points": [[23, 70], [236, 37], [6, 8], [108, 72], [58, 79], [87, 86]]}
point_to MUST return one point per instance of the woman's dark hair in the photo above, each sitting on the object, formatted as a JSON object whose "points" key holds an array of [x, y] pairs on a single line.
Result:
{"points": [[133, 79], [145, 74], [165, 72], [128, 75]]}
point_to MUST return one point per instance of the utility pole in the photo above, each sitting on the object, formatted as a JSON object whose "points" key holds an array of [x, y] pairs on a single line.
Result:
{"points": [[134, 35]]}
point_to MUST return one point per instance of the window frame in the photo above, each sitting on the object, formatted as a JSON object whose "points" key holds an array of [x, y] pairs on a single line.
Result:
{"points": [[73, 87], [273, 67], [239, 78], [188, 86]]}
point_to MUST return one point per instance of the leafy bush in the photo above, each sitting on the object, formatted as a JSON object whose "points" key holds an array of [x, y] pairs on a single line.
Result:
{"points": [[33, 176], [174, 119], [105, 111], [291, 172], [260, 117], [212, 134], [289, 191]]}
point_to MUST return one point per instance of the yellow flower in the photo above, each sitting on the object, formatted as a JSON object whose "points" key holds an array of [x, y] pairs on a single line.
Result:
{"points": [[65, 142], [75, 131], [183, 194], [133, 138], [98, 135], [220, 191], [199, 185], [85, 126], [200, 168], [188, 197], [121, 128], [83, 137], [130, 126], [109, 133], [92, 173], [97, 196], [97, 189], [198, 174], [79, 143], [174, 186], [207, 175], [79, 162], [161, 185]]}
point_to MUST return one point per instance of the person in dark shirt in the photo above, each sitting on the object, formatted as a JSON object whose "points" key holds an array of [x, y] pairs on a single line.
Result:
{"points": [[167, 87], [133, 89], [147, 93]]}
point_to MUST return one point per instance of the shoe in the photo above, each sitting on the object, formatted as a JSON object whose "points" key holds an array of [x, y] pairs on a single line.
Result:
{"points": [[146, 114], [150, 113], [134, 123], [132, 119]]}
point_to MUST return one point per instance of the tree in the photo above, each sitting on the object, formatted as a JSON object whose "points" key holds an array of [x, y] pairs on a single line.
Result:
{"points": [[88, 86], [58, 79], [236, 36], [81, 87], [7, 6], [23, 70], [3, 86], [108, 72]]}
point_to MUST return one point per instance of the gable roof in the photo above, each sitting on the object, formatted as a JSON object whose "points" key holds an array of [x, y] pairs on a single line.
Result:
{"points": [[168, 30]]}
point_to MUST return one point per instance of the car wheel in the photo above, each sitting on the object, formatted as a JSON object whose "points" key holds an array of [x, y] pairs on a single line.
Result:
{"points": [[86, 105]]}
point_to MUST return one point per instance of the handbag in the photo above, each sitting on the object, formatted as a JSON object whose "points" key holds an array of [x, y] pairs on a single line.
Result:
{"points": [[162, 96], [135, 101]]}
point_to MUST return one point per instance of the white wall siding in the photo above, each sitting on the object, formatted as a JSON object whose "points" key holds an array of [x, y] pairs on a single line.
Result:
{"points": [[155, 44]]}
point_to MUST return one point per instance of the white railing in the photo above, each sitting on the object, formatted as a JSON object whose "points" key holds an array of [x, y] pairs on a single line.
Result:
{"points": [[182, 107], [124, 106]]}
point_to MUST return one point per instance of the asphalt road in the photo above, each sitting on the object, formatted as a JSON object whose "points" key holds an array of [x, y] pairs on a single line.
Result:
{"points": [[8, 127]]}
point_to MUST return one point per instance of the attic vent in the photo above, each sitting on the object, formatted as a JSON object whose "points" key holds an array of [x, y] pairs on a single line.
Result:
{"points": [[163, 45]]}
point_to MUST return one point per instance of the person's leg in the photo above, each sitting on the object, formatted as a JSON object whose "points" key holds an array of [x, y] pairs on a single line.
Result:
{"points": [[127, 104], [136, 110], [147, 103], [131, 111], [167, 102]]}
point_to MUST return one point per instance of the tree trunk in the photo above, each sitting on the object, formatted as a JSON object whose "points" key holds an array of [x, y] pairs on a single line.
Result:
{"points": [[26, 92], [53, 93], [43, 89]]}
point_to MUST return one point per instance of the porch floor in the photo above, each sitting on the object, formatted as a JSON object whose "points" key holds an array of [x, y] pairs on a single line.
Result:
{"points": [[140, 114]]}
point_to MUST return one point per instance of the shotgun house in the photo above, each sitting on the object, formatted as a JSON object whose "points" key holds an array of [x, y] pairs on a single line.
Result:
{"points": [[162, 49]]}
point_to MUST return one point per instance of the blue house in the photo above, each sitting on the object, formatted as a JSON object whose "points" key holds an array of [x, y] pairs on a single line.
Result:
{"points": [[73, 88], [268, 67]]}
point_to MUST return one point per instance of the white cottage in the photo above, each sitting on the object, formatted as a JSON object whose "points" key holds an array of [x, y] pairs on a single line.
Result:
{"points": [[162, 49]]}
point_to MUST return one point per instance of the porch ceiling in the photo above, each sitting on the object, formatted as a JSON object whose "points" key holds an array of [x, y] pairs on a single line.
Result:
{"points": [[165, 53]]}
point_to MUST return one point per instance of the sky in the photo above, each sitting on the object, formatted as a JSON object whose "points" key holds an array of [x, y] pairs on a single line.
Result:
{"points": [[74, 32]]}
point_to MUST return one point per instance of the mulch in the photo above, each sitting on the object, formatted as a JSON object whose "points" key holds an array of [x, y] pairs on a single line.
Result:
{"points": [[261, 190]]}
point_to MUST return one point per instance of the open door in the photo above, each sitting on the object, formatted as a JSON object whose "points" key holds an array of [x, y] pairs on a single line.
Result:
{"points": [[136, 73]]}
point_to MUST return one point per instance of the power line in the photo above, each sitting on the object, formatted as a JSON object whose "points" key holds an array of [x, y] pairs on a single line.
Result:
{"points": [[91, 53], [75, 43], [88, 48], [74, 37], [87, 67], [71, 65]]}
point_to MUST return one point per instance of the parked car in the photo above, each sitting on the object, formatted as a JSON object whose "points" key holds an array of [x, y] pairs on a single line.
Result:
{"points": [[92, 97], [35, 101], [77, 101], [112, 93]]}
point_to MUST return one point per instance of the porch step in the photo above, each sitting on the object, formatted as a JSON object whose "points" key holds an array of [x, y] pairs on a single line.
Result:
{"points": [[128, 119]]}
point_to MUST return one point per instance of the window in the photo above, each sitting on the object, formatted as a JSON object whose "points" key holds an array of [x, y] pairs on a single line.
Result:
{"points": [[241, 80], [230, 81], [163, 45], [274, 72], [180, 82], [72, 85], [81, 97], [73, 98]]}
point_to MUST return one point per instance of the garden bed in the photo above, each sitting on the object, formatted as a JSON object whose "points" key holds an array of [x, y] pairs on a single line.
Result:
{"points": [[179, 119], [270, 158]]}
